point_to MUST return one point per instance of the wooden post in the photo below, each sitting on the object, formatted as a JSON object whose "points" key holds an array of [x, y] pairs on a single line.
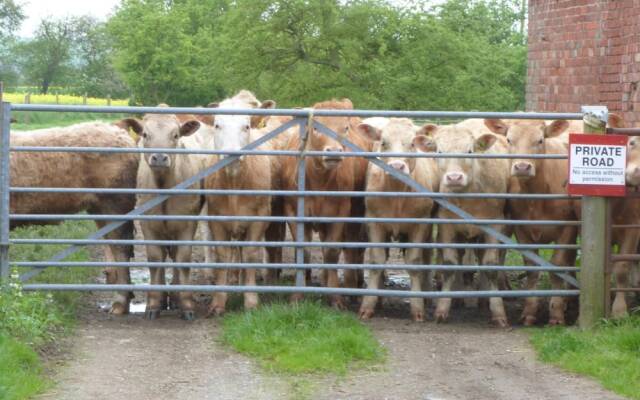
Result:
{"points": [[109, 100], [84, 99], [593, 238], [57, 99]]}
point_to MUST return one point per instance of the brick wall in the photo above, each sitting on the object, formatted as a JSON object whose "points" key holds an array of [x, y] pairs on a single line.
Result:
{"points": [[584, 52]]}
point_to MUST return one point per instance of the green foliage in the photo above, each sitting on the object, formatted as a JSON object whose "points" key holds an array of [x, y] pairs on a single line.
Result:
{"points": [[20, 370], [610, 353], [164, 50], [27, 120], [461, 55], [31, 320], [301, 338]]}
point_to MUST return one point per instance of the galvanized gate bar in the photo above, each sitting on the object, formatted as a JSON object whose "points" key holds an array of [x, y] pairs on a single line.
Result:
{"points": [[291, 153], [203, 265], [296, 193], [304, 113], [244, 218], [161, 198], [5, 121], [296, 244], [447, 205], [304, 289]]}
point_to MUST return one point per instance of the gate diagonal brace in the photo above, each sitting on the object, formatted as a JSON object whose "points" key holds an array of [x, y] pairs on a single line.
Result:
{"points": [[161, 198], [443, 203]]}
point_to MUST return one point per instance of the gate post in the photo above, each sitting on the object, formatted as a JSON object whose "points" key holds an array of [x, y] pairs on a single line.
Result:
{"points": [[5, 122], [593, 237], [300, 226]]}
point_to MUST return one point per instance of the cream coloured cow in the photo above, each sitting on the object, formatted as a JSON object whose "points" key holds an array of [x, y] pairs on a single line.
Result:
{"points": [[164, 171], [399, 135], [461, 175]]}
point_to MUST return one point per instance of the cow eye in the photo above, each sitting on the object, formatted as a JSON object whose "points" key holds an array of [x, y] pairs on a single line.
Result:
{"points": [[509, 141], [144, 135], [176, 136], [540, 141], [246, 127], [470, 151], [217, 126]]}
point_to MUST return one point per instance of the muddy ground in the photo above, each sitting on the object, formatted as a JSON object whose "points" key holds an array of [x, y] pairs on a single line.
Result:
{"points": [[133, 358]]}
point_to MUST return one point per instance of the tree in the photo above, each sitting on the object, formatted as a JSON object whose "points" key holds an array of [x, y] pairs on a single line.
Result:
{"points": [[46, 58], [92, 58], [164, 50], [11, 16]]}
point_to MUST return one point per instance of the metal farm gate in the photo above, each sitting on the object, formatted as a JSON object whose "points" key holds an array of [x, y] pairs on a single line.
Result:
{"points": [[593, 247]]}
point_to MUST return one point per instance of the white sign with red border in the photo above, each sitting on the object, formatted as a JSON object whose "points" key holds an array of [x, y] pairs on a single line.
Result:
{"points": [[597, 164]]}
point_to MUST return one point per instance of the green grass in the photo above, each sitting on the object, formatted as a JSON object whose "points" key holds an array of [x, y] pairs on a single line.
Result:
{"points": [[301, 338], [39, 120], [20, 370], [610, 353], [31, 320]]}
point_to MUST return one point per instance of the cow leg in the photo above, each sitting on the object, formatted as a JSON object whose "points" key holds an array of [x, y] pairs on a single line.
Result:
{"points": [[621, 271], [530, 311], [558, 305], [496, 305], [119, 275], [308, 236], [224, 254], [378, 256], [253, 255], [446, 234], [419, 234], [185, 299], [276, 232], [331, 255], [154, 299], [354, 278]]}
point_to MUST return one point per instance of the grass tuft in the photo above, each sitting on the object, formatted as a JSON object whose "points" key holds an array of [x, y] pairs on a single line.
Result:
{"points": [[301, 338], [610, 353], [20, 370]]}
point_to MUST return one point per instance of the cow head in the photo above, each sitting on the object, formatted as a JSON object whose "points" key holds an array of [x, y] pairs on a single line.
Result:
{"points": [[163, 131], [457, 173], [632, 172], [526, 137], [233, 132], [340, 125], [399, 135]]}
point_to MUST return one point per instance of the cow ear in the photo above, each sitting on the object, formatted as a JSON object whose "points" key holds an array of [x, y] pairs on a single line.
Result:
{"points": [[484, 142], [259, 121], [207, 119], [427, 130], [189, 127], [347, 102], [616, 121], [369, 132], [496, 126], [268, 104], [213, 105], [132, 124], [556, 128], [425, 144]]}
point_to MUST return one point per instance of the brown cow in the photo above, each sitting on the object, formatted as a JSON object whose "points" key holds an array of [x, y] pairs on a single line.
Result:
{"points": [[79, 170], [164, 171], [475, 176], [399, 135], [542, 176], [231, 133], [626, 211], [329, 173]]}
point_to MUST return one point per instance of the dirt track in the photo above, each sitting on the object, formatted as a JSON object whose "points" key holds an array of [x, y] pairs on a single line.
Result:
{"points": [[132, 358]]}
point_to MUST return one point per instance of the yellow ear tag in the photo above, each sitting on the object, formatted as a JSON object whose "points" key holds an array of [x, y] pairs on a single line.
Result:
{"points": [[133, 135], [263, 123]]}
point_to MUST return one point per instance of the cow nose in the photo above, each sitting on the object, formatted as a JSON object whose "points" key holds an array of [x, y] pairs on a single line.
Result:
{"points": [[454, 177], [159, 160], [398, 165], [333, 149], [523, 167]]}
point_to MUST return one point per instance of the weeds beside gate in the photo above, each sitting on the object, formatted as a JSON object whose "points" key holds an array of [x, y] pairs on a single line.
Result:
{"points": [[592, 249]]}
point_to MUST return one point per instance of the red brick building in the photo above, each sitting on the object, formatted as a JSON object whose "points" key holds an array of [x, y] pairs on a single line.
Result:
{"points": [[584, 52]]}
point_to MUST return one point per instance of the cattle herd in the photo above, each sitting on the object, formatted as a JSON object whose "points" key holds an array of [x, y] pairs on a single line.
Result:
{"points": [[160, 170]]}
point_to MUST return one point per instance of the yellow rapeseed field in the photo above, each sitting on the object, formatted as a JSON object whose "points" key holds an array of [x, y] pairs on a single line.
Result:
{"points": [[62, 99]]}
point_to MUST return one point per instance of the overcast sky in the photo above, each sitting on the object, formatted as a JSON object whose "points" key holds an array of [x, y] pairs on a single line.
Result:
{"points": [[35, 10]]}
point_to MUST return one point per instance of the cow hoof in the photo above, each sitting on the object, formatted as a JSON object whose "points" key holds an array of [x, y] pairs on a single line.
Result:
{"points": [[152, 314], [338, 305], [441, 316], [365, 314], [500, 322], [188, 315], [528, 320], [296, 297], [119, 309], [556, 322], [417, 317], [216, 311]]}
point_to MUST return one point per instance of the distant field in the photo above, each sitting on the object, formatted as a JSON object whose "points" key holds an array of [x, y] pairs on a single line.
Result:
{"points": [[61, 99]]}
